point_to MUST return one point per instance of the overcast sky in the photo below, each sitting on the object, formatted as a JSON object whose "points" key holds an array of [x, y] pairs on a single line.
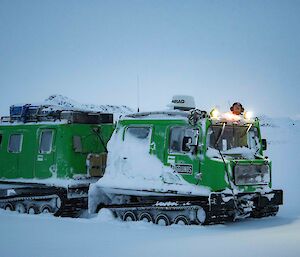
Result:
{"points": [[93, 51]]}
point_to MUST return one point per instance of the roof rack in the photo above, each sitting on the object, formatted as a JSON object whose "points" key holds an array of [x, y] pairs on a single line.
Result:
{"points": [[39, 113]]}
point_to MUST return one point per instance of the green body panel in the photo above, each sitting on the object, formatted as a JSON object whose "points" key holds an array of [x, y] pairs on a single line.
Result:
{"points": [[213, 172], [62, 161]]}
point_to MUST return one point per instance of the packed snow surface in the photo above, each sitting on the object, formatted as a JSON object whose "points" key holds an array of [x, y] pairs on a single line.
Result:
{"points": [[103, 236]]}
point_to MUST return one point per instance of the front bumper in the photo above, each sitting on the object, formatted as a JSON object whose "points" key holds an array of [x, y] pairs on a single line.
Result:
{"points": [[273, 198], [226, 207]]}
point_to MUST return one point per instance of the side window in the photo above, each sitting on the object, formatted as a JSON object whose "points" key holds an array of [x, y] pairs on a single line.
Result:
{"points": [[183, 139], [138, 132], [46, 141], [1, 140], [77, 144], [176, 137], [15, 143]]}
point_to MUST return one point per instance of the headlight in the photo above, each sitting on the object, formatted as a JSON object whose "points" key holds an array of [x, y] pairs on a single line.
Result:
{"points": [[254, 174]]}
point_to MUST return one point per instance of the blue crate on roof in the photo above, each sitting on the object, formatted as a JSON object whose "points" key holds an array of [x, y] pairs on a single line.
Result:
{"points": [[23, 112]]}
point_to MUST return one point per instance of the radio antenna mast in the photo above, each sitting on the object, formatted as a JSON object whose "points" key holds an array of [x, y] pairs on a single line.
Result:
{"points": [[138, 93], [229, 105]]}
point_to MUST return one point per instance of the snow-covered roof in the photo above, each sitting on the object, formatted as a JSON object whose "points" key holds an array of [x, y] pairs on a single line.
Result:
{"points": [[159, 115]]}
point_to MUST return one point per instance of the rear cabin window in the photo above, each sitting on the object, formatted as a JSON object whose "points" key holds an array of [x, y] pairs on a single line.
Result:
{"points": [[139, 132], [46, 141], [77, 144], [15, 143]]}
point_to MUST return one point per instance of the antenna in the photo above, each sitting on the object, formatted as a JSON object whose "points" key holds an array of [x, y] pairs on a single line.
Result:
{"points": [[229, 105], [138, 93]]}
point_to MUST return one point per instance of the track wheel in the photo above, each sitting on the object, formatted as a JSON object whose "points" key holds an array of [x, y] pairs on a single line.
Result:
{"points": [[20, 208], [162, 220], [31, 210], [201, 215], [181, 220], [45, 209], [145, 216], [129, 216], [9, 207]]}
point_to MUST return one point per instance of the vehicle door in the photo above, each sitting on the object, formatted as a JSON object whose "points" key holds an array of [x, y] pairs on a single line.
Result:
{"points": [[136, 146], [183, 144], [14, 149]]}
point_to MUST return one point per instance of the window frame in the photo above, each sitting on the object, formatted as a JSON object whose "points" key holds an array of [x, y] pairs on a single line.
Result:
{"points": [[138, 126], [20, 143], [170, 151], [51, 145], [253, 129]]}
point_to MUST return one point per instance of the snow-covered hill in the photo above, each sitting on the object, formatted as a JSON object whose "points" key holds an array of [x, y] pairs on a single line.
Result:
{"points": [[69, 104], [65, 103], [29, 236], [267, 121]]}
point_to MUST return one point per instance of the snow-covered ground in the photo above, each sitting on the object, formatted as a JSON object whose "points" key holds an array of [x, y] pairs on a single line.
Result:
{"points": [[45, 236]]}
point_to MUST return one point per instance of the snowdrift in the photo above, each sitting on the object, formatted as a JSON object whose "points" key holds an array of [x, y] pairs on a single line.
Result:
{"points": [[130, 167]]}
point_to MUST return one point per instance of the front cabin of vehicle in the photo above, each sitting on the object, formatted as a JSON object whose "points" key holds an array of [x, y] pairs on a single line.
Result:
{"points": [[209, 168], [224, 154], [204, 153]]}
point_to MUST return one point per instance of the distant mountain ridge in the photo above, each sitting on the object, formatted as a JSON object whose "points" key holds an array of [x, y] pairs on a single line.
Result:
{"points": [[267, 121]]}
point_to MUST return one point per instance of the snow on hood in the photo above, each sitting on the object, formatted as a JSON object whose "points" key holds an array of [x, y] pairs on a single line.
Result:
{"points": [[245, 152], [65, 103], [130, 166]]}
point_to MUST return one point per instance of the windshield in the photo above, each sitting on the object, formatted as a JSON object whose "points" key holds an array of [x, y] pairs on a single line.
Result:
{"points": [[225, 137]]}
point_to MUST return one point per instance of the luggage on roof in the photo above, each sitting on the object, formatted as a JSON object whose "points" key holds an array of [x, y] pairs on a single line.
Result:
{"points": [[37, 113]]}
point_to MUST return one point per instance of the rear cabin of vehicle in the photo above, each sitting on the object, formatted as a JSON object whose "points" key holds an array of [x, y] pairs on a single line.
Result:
{"points": [[48, 160], [57, 150]]}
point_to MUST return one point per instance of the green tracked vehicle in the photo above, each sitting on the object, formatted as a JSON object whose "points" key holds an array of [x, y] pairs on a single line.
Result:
{"points": [[49, 158], [221, 155]]}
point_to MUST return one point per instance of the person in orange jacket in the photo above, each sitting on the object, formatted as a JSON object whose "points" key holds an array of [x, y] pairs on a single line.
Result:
{"points": [[237, 108]]}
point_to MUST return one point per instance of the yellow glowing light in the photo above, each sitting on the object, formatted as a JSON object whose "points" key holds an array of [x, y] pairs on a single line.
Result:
{"points": [[215, 113], [248, 115], [232, 117]]}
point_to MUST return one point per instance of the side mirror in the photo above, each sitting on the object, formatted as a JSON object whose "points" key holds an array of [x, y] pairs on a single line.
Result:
{"points": [[264, 144], [186, 144]]}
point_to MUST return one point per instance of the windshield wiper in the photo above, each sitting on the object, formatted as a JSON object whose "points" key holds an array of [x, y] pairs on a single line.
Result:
{"points": [[221, 134], [249, 127]]}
